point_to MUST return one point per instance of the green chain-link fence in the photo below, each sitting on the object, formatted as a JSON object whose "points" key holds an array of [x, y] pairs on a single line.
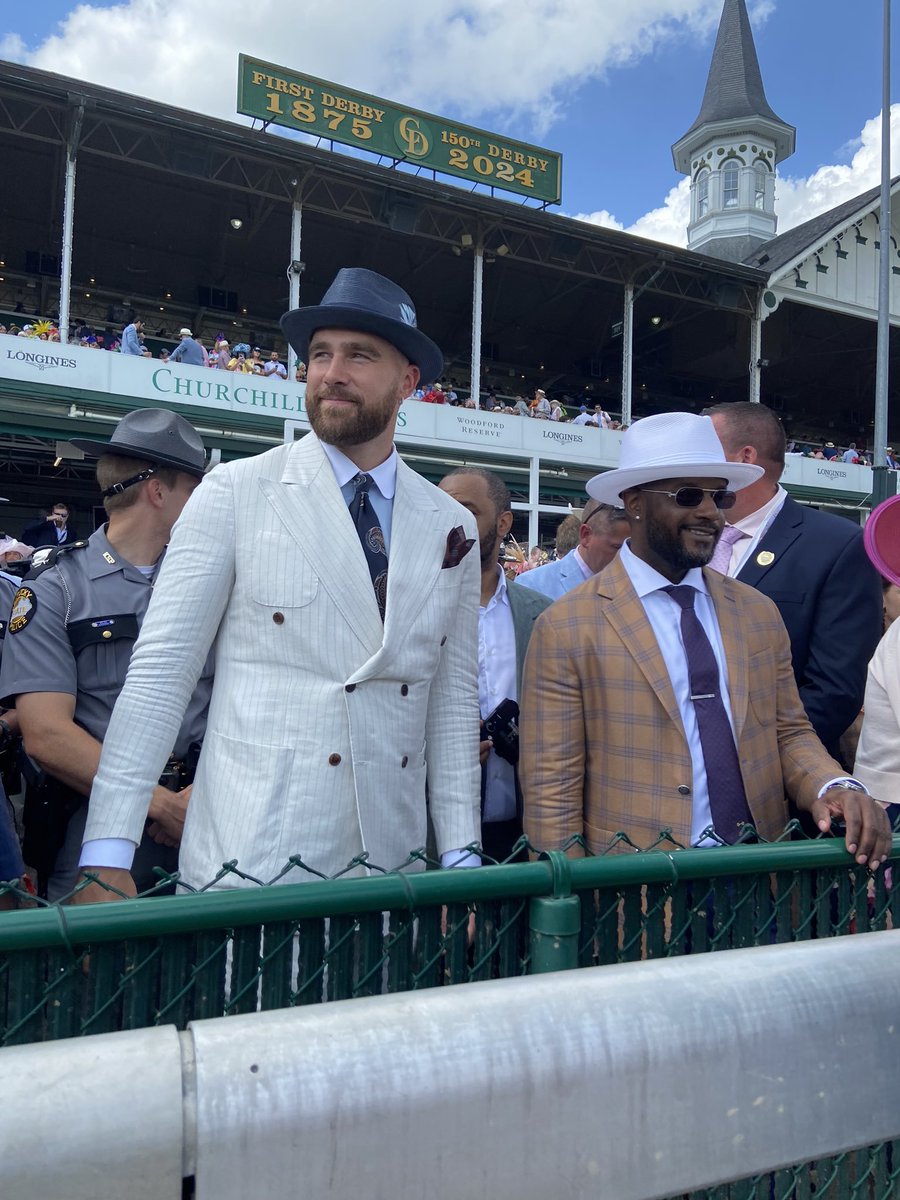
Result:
{"points": [[72, 970]]}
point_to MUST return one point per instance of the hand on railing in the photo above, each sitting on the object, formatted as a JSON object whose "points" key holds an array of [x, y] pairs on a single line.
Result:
{"points": [[100, 885]]}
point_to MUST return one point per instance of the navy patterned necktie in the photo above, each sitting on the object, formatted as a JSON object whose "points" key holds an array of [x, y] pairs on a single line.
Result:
{"points": [[727, 799], [370, 536]]}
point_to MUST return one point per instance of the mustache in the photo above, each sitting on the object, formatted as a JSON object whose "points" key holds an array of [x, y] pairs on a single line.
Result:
{"points": [[334, 394]]}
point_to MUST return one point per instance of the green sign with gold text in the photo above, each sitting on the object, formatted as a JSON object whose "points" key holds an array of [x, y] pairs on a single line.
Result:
{"points": [[326, 110]]}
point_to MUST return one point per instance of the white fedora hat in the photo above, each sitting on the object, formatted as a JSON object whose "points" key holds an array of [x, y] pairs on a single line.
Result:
{"points": [[670, 446]]}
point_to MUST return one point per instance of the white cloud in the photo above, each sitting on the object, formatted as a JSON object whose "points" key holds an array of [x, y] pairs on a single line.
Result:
{"points": [[601, 217], [800, 199], [668, 223], [12, 48], [474, 58]]}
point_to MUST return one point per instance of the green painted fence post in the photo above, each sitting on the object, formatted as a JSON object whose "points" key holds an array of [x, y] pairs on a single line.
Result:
{"points": [[555, 921]]}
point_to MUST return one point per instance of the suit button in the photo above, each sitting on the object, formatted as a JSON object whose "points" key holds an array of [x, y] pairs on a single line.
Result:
{"points": [[404, 689], [350, 687], [443, 639], [404, 760], [683, 789], [333, 760], [278, 618]]}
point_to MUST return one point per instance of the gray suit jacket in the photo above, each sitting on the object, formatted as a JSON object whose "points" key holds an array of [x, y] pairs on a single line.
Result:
{"points": [[526, 606]]}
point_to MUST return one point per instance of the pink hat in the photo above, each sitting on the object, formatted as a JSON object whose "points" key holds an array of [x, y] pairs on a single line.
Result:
{"points": [[881, 538]]}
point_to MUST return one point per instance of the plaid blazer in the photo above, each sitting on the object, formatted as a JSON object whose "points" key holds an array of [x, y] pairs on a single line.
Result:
{"points": [[603, 748]]}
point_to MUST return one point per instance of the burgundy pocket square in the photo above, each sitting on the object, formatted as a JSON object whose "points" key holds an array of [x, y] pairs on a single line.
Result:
{"points": [[458, 546]]}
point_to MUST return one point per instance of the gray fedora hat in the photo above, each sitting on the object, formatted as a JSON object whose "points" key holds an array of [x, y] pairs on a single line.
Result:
{"points": [[360, 299], [155, 435]]}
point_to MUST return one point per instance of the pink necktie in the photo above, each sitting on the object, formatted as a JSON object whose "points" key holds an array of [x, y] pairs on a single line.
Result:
{"points": [[722, 556]]}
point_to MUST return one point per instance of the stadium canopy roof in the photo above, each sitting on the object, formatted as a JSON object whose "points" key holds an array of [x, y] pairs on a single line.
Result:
{"points": [[158, 189]]}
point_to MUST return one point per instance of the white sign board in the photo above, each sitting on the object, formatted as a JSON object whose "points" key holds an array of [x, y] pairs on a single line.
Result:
{"points": [[439, 427]]}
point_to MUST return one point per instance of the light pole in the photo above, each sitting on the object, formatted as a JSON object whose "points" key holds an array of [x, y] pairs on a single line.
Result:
{"points": [[882, 479]]}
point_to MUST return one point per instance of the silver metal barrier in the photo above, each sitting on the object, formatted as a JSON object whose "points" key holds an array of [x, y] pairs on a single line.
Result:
{"points": [[619, 1083]]}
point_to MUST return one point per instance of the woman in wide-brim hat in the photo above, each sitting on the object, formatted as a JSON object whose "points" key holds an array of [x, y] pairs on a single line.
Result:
{"points": [[878, 754]]}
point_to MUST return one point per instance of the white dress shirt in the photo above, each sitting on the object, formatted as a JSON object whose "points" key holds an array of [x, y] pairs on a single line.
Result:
{"points": [[755, 526], [585, 569], [497, 682], [664, 615]]}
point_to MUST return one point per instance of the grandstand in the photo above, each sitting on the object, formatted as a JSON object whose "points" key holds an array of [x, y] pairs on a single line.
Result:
{"points": [[183, 219]]}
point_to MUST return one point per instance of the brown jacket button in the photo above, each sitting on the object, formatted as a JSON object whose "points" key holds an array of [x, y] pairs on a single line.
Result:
{"points": [[404, 760], [278, 618], [333, 759], [683, 789], [404, 689], [350, 687]]}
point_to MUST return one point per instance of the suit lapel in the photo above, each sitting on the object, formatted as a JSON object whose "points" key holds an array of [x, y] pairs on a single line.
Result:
{"points": [[623, 610], [523, 618], [734, 643], [418, 540], [313, 512], [783, 531]]}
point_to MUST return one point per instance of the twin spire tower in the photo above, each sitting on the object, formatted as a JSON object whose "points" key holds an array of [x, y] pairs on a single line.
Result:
{"points": [[731, 150]]}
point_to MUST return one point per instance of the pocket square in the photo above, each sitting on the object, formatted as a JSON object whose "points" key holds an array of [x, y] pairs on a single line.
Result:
{"points": [[458, 546]]}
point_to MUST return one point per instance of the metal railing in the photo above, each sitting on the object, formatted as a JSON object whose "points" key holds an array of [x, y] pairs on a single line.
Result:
{"points": [[74, 970], [650, 1079]]}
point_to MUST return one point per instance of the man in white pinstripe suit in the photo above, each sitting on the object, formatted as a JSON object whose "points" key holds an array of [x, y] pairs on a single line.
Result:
{"points": [[325, 720]]}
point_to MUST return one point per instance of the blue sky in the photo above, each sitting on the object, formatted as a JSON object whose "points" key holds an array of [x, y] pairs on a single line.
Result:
{"points": [[609, 83]]}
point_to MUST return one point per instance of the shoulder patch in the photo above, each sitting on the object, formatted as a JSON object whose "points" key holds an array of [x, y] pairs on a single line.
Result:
{"points": [[48, 556], [24, 606]]}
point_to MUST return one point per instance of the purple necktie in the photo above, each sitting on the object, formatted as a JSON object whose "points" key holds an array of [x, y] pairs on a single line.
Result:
{"points": [[721, 558], [727, 800], [371, 537]]}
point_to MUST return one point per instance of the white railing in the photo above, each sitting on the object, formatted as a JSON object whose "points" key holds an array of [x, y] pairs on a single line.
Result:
{"points": [[618, 1083]]}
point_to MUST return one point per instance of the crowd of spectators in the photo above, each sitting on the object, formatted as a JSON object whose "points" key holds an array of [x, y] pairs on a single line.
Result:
{"points": [[541, 407], [241, 357], [245, 359]]}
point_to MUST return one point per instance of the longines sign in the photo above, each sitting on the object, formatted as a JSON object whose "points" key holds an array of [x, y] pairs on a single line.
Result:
{"points": [[330, 111]]}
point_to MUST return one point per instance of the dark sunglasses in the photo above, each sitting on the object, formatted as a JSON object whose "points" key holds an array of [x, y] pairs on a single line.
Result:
{"points": [[692, 497]]}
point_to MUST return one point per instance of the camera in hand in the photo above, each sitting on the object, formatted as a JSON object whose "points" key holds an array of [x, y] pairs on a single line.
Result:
{"points": [[502, 727]]}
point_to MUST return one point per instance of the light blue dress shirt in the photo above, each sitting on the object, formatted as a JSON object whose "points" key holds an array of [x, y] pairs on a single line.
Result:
{"points": [[384, 477]]}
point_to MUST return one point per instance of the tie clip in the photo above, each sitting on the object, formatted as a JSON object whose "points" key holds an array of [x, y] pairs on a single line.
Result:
{"points": [[707, 696]]}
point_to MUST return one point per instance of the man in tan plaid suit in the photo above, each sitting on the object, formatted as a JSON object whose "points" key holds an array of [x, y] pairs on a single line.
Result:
{"points": [[610, 731]]}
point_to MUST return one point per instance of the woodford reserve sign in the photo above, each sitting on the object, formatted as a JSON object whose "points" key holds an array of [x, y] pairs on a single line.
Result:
{"points": [[327, 110]]}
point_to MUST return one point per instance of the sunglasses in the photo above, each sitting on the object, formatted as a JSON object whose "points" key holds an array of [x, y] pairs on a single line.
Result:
{"points": [[692, 497]]}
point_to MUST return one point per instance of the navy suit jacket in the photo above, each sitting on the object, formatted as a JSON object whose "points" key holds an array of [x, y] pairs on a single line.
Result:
{"points": [[830, 599], [43, 533]]}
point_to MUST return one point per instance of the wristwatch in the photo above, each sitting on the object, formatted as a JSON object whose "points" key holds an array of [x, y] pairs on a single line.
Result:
{"points": [[852, 785]]}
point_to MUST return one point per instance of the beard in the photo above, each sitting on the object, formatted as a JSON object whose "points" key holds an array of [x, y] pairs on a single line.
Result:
{"points": [[487, 546], [671, 549], [358, 422]]}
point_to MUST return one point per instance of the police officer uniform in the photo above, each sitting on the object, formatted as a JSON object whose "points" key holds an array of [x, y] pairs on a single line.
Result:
{"points": [[72, 627]]}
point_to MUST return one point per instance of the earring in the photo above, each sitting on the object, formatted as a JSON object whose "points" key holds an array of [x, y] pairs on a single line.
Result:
{"points": [[636, 517]]}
